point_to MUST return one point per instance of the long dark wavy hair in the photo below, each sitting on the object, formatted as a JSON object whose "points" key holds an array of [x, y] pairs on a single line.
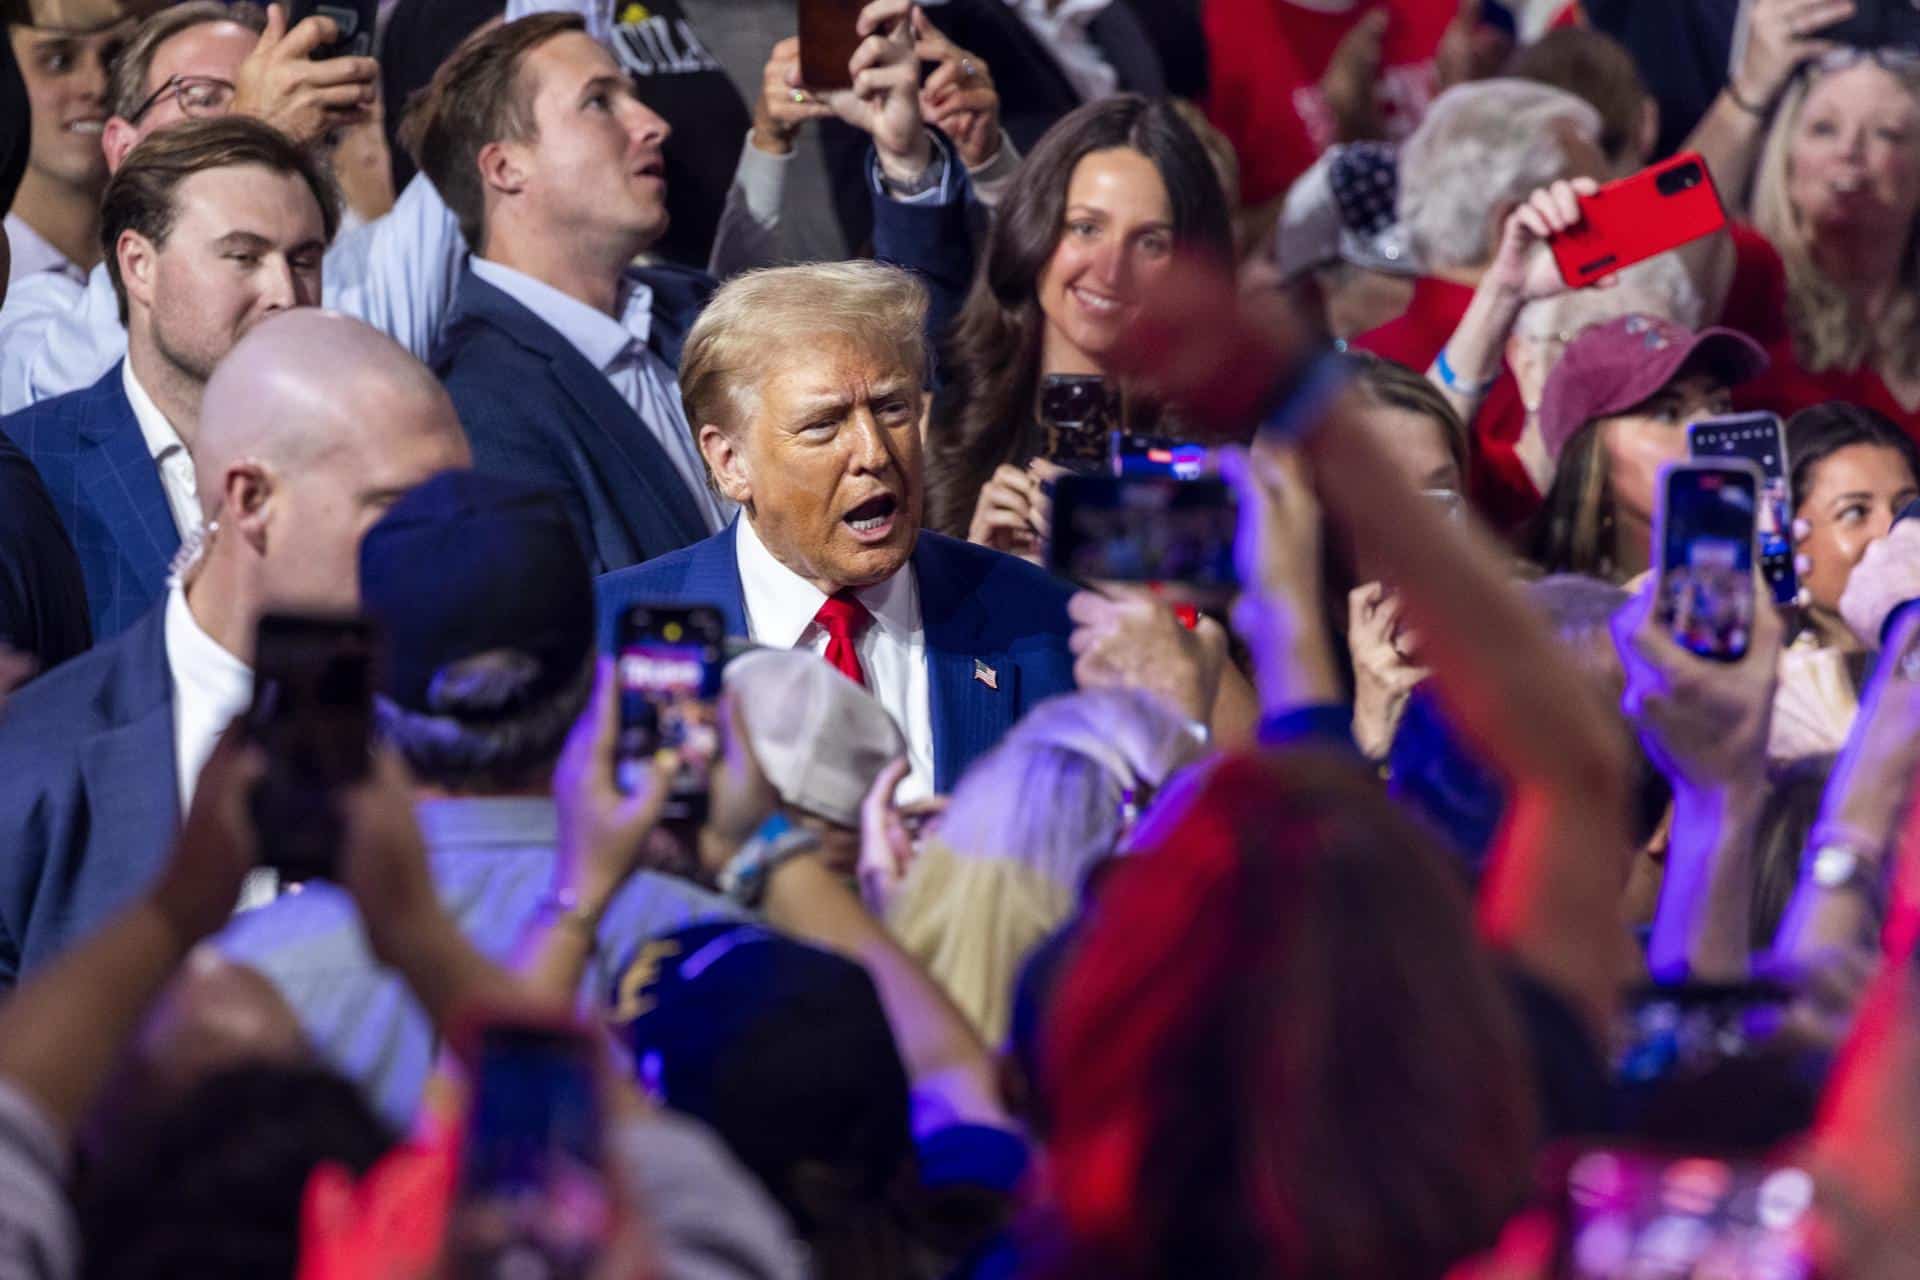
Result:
{"points": [[986, 413]]}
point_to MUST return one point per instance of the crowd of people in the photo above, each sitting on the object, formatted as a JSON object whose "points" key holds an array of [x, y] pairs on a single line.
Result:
{"points": [[1443, 901]]}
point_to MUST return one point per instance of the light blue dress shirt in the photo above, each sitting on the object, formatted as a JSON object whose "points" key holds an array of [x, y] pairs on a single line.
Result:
{"points": [[492, 859], [618, 348], [398, 273]]}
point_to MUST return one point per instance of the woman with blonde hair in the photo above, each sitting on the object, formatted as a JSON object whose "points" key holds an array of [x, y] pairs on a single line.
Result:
{"points": [[1025, 827], [1828, 137]]}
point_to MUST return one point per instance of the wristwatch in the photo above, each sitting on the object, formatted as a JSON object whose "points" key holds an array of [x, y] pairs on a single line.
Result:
{"points": [[744, 879], [1842, 868]]}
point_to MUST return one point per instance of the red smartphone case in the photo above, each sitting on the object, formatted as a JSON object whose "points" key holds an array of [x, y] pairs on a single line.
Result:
{"points": [[1631, 220], [829, 35]]}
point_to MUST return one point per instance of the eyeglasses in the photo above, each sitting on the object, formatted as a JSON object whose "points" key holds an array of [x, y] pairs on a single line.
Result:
{"points": [[197, 95], [1901, 61]]}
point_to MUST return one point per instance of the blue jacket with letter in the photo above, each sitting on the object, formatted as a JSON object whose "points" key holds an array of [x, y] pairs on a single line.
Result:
{"points": [[996, 631]]}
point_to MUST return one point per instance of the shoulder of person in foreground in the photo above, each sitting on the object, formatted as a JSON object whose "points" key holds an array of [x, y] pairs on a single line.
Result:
{"points": [[664, 578]]}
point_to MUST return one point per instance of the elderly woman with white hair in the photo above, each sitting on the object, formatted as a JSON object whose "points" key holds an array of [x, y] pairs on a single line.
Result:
{"points": [[1025, 827], [1820, 146], [1485, 155]]}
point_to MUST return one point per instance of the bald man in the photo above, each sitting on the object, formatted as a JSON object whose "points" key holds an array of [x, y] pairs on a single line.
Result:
{"points": [[296, 459]]}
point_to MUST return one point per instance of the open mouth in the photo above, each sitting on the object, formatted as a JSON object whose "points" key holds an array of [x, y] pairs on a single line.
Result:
{"points": [[93, 127], [874, 517], [652, 169]]}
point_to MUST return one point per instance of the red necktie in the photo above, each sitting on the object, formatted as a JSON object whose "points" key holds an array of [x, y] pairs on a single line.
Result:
{"points": [[843, 618]]}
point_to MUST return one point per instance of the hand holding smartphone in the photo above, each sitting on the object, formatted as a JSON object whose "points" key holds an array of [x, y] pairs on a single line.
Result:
{"points": [[535, 1196], [312, 714], [1704, 531], [668, 664], [1628, 221], [354, 18], [1760, 438]]}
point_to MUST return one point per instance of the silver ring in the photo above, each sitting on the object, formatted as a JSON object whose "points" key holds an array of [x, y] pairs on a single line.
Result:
{"points": [[966, 68]]}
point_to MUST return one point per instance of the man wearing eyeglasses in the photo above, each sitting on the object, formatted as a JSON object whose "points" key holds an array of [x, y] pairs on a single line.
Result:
{"points": [[202, 59]]}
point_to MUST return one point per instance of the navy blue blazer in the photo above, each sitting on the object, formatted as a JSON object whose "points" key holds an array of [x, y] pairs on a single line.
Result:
{"points": [[996, 631], [534, 408], [89, 796], [88, 448], [43, 597]]}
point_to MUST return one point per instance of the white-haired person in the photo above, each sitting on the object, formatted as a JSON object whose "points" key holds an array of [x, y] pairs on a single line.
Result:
{"points": [[1027, 825], [1485, 153], [1819, 145]]}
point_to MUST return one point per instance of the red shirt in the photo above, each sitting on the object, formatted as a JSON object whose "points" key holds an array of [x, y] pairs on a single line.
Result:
{"points": [[1786, 388], [1267, 57]]}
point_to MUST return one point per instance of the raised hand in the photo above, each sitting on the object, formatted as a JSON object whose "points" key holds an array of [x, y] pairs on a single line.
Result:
{"points": [[885, 98], [959, 97], [784, 107], [603, 830], [1522, 266], [1775, 39], [282, 84]]}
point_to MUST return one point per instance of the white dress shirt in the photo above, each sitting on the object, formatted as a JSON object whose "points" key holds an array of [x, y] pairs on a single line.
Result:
{"points": [[1061, 25], [169, 455], [210, 688], [398, 273], [780, 607], [618, 348], [33, 254]]}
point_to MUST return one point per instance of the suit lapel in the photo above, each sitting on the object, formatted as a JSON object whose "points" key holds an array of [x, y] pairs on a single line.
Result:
{"points": [[608, 418], [122, 483], [974, 687]]}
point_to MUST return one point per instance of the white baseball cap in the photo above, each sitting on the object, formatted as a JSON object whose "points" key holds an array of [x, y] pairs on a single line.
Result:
{"points": [[820, 738]]}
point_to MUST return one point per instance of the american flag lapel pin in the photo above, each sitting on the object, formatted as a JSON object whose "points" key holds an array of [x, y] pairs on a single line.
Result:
{"points": [[986, 675]]}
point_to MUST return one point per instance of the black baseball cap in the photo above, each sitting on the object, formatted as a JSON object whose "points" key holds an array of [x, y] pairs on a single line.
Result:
{"points": [[781, 1048], [471, 563]]}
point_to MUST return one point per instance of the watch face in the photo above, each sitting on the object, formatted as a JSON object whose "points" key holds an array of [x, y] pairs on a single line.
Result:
{"points": [[1834, 866]]}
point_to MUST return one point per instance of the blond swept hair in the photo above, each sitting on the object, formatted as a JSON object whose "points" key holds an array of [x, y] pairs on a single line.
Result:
{"points": [[1026, 823], [763, 319], [1829, 331]]}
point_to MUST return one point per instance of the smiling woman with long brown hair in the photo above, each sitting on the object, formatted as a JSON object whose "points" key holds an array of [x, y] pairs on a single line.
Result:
{"points": [[1107, 198]]}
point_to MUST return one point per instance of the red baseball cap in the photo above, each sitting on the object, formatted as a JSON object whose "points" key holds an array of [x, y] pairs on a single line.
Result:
{"points": [[1612, 367]]}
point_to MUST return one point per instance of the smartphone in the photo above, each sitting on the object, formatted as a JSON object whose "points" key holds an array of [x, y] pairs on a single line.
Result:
{"points": [[1760, 438], [828, 38], [1632, 1213], [355, 18], [1079, 414], [1631, 220], [1138, 455], [1686, 1029], [1704, 532], [1877, 24], [312, 714], [534, 1196], [1156, 529], [668, 665]]}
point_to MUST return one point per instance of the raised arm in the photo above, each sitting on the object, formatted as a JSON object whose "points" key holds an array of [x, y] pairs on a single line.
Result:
{"points": [[1551, 896], [1705, 725]]}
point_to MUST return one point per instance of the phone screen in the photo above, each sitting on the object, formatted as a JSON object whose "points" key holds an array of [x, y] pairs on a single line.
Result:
{"points": [[669, 666], [1079, 414], [829, 37], [533, 1187], [1707, 520], [1688, 1029], [1136, 455], [1761, 439], [1629, 1214], [312, 714], [1177, 533]]}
